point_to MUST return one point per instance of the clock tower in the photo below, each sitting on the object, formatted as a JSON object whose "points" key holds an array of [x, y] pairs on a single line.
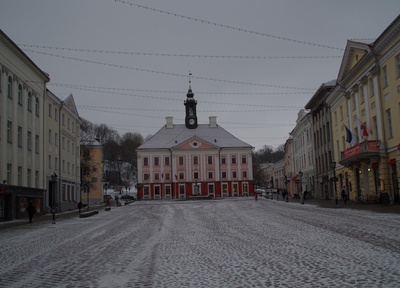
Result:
{"points": [[190, 104]]}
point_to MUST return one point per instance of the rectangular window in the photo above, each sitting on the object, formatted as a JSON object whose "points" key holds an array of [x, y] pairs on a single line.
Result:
{"points": [[19, 176], [9, 131], [166, 161], [37, 144], [20, 94], [167, 176], [145, 161], [56, 114], [50, 162], [209, 160], [233, 159], [29, 141], [156, 161], [157, 176], [223, 160], [63, 166], [146, 177], [397, 63], [73, 148], [29, 177], [196, 175], [195, 160], [9, 87], [223, 175], [234, 174], [180, 160], [389, 124], [244, 159], [181, 176], [385, 81], [50, 111], [55, 163], [210, 175], [244, 174], [37, 106], [9, 173], [19, 136], [36, 179], [50, 136], [56, 138]]}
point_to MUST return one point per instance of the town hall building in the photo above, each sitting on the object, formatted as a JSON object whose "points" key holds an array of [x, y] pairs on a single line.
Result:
{"points": [[192, 160]]}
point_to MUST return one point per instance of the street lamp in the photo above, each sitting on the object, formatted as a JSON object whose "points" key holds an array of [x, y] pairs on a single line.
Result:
{"points": [[333, 166], [301, 187], [87, 193], [53, 192]]}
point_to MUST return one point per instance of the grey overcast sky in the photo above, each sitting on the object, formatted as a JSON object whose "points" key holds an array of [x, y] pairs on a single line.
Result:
{"points": [[254, 63]]}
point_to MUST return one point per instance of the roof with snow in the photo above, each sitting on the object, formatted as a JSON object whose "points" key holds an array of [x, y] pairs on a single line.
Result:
{"points": [[167, 138]]}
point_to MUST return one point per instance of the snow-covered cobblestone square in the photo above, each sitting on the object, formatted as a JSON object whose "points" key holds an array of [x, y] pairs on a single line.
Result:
{"points": [[215, 243]]}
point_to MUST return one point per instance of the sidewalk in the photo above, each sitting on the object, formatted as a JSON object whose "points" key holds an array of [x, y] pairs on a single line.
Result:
{"points": [[47, 217], [379, 208]]}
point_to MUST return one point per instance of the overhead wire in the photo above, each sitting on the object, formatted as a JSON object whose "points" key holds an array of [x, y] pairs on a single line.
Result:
{"points": [[227, 26], [165, 73], [177, 54]]}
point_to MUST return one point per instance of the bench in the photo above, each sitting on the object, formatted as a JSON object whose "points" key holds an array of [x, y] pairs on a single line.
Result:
{"points": [[88, 214]]}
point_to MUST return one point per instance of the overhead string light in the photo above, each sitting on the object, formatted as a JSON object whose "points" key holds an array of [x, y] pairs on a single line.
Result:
{"points": [[227, 26], [166, 73], [177, 54], [95, 88]]}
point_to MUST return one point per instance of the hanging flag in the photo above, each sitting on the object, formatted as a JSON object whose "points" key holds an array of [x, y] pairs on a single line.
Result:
{"points": [[363, 128], [349, 135]]}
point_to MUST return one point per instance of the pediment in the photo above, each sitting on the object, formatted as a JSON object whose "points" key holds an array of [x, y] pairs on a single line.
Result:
{"points": [[69, 103], [195, 143], [353, 54]]}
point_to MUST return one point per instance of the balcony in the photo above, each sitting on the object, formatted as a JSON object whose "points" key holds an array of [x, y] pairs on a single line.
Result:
{"points": [[361, 152]]}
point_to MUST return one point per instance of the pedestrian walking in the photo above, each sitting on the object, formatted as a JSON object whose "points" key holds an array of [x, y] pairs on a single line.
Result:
{"points": [[343, 194], [255, 196], [31, 210], [80, 206], [305, 194]]}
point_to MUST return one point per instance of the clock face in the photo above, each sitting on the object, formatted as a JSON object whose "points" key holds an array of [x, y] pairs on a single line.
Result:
{"points": [[191, 121]]}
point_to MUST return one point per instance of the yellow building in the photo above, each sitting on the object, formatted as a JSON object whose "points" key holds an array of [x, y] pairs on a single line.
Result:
{"points": [[92, 174], [365, 108]]}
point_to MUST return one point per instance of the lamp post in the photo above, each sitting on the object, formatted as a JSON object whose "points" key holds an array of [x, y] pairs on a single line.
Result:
{"points": [[333, 166], [53, 192], [87, 193], [301, 187]]}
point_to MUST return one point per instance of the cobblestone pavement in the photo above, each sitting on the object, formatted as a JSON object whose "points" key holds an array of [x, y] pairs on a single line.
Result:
{"points": [[212, 243]]}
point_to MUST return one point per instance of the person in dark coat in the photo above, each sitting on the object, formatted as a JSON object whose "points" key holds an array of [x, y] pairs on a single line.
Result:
{"points": [[31, 210], [343, 194], [80, 206]]}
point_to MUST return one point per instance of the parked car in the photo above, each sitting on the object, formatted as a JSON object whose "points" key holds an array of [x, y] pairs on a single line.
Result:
{"points": [[127, 198]]}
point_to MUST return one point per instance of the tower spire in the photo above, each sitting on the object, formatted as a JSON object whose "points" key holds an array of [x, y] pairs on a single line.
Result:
{"points": [[190, 92]]}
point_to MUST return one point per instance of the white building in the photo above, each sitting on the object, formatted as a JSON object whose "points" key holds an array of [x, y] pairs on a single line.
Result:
{"points": [[39, 138], [303, 154], [194, 160]]}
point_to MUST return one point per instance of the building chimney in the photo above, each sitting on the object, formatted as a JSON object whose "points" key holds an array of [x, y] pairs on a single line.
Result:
{"points": [[213, 121], [170, 125]]}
